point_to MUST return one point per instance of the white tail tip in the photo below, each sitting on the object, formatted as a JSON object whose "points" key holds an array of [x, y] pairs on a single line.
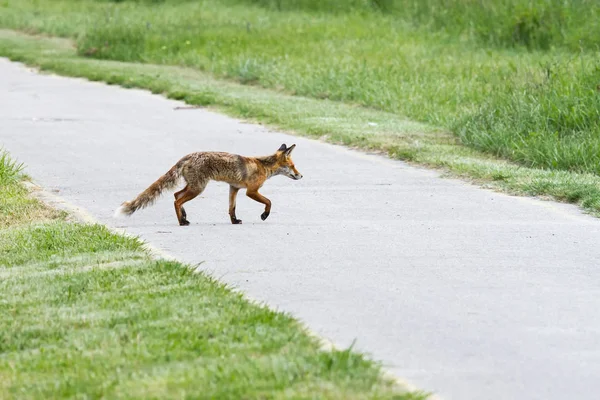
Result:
{"points": [[120, 212]]}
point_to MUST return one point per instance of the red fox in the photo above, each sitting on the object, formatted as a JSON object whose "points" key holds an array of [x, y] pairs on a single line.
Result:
{"points": [[199, 168]]}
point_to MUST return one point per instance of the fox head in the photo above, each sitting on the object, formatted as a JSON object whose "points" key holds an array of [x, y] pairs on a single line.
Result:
{"points": [[285, 164]]}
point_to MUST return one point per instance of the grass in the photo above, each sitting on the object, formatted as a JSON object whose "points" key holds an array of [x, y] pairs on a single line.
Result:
{"points": [[515, 79], [16, 206], [85, 313], [533, 24], [324, 119]]}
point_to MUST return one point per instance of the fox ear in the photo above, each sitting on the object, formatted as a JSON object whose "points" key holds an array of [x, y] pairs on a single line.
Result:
{"points": [[282, 147], [289, 150]]}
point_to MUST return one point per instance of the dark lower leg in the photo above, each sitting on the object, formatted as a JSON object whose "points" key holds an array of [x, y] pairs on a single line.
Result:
{"points": [[181, 216], [233, 191]]}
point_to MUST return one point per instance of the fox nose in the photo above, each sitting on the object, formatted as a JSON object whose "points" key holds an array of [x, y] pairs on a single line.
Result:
{"points": [[299, 176]]}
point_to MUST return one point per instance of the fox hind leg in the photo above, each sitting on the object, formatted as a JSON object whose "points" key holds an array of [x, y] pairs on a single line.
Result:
{"points": [[182, 197], [177, 196]]}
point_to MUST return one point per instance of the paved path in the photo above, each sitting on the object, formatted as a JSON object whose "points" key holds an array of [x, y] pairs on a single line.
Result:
{"points": [[462, 291]]}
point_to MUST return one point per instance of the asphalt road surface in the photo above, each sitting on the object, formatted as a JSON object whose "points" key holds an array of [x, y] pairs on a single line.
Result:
{"points": [[465, 292]]}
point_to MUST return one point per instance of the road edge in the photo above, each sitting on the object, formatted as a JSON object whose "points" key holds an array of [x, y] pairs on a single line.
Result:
{"points": [[80, 214]]}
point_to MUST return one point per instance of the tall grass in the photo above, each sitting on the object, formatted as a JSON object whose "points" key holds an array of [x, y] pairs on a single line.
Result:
{"points": [[535, 24], [553, 123], [514, 78], [10, 170]]}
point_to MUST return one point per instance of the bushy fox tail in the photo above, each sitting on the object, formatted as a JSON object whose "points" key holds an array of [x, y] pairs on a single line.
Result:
{"points": [[150, 195]]}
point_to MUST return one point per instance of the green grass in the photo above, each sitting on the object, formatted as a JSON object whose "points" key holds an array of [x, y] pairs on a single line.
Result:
{"points": [[516, 79], [85, 313], [16, 206], [324, 119], [58, 239], [533, 24], [11, 171]]}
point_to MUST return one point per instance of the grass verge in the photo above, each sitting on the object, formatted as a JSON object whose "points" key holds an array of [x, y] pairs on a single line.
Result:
{"points": [[16, 206], [85, 313], [332, 121]]}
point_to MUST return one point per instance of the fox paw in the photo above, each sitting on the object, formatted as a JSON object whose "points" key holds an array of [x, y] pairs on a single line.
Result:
{"points": [[264, 215], [236, 221], [185, 222]]}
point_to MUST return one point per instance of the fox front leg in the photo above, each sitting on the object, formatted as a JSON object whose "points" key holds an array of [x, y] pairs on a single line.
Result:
{"points": [[254, 195], [233, 191]]}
